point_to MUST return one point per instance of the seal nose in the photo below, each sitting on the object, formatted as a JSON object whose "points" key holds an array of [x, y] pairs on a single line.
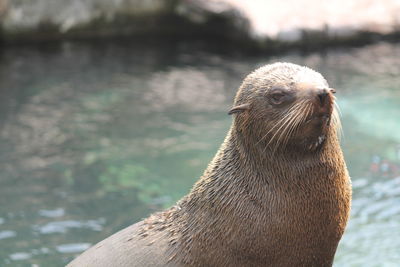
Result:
{"points": [[322, 95]]}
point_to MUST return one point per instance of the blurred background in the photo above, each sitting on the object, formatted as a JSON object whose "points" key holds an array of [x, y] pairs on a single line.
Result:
{"points": [[112, 109]]}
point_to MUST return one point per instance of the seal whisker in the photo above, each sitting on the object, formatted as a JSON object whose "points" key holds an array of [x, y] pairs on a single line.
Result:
{"points": [[291, 126], [297, 118], [282, 123], [337, 108], [287, 123], [299, 121], [337, 123], [279, 123]]}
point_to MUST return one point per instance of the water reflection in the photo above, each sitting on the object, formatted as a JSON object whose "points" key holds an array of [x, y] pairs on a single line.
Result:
{"points": [[95, 137], [63, 226]]}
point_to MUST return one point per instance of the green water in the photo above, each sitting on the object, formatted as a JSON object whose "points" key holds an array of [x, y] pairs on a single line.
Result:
{"points": [[94, 137]]}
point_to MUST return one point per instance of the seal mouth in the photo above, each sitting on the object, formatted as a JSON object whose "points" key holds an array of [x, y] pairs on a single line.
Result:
{"points": [[317, 143], [324, 119]]}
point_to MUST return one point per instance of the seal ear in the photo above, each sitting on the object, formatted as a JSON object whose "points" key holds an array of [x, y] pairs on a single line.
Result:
{"points": [[239, 109]]}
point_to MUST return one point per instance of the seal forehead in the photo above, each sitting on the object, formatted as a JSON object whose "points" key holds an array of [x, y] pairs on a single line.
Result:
{"points": [[286, 73], [309, 77], [281, 74]]}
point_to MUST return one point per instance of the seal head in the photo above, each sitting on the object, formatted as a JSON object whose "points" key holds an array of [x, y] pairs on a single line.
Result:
{"points": [[285, 105]]}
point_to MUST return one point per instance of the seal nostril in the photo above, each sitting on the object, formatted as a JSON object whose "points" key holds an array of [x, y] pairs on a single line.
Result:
{"points": [[322, 95]]}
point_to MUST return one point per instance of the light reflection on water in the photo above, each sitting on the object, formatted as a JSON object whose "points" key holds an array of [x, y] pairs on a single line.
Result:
{"points": [[94, 138]]}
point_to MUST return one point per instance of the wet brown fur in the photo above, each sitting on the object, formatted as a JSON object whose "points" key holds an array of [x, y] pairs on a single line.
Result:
{"points": [[277, 197]]}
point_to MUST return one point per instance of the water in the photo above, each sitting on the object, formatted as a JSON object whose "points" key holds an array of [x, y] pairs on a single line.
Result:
{"points": [[95, 137]]}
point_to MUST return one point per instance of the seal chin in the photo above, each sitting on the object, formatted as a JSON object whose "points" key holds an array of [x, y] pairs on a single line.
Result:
{"points": [[318, 143], [316, 129], [313, 143]]}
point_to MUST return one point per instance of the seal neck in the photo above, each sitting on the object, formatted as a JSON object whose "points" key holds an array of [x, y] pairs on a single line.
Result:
{"points": [[235, 195], [273, 164]]}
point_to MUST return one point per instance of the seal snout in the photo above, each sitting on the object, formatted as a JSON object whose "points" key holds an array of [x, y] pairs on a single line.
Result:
{"points": [[322, 94], [323, 102]]}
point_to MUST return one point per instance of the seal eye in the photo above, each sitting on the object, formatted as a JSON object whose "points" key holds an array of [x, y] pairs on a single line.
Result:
{"points": [[277, 98]]}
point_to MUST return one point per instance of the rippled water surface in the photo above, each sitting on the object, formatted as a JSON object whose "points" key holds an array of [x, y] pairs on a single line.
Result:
{"points": [[95, 137]]}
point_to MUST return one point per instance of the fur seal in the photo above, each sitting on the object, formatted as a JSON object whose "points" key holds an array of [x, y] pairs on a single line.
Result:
{"points": [[277, 193]]}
